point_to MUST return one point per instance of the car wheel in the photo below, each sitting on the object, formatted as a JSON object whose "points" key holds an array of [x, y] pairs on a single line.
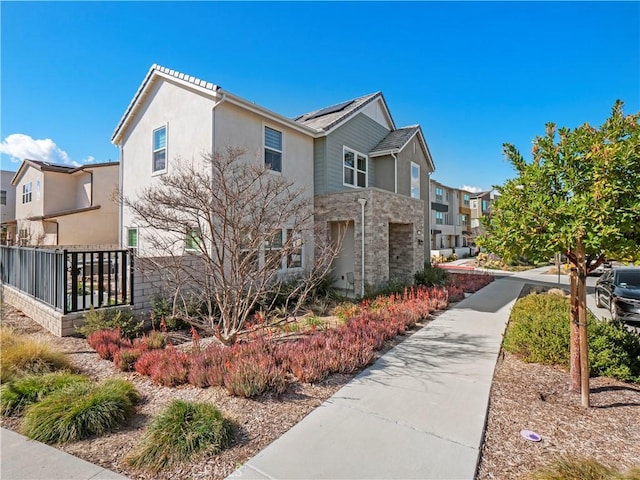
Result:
{"points": [[598, 300]]}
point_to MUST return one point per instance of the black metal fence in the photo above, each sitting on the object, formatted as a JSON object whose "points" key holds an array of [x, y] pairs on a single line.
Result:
{"points": [[70, 281]]}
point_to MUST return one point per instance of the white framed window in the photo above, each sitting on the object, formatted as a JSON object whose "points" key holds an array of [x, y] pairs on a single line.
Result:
{"points": [[463, 220], [475, 223], [37, 189], [294, 258], [465, 199], [273, 250], [159, 149], [415, 180], [355, 168], [26, 192], [485, 205], [3, 197], [439, 194], [193, 240], [439, 218], [272, 149], [132, 238], [474, 203]]}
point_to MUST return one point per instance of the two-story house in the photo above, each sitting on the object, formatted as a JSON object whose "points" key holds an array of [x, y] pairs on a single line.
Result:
{"points": [[64, 205], [368, 179], [480, 204], [7, 207]]}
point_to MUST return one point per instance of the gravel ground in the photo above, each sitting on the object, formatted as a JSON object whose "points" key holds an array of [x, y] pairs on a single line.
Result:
{"points": [[523, 396]]}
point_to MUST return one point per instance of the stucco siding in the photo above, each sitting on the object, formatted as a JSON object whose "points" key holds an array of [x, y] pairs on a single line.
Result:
{"points": [[385, 173], [361, 133]]}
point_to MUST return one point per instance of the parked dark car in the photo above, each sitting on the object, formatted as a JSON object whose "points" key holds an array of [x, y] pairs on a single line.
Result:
{"points": [[618, 290]]}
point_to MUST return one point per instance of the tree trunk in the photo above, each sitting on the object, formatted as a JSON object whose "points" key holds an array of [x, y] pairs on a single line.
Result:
{"points": [[582, 314], [575, 334]]}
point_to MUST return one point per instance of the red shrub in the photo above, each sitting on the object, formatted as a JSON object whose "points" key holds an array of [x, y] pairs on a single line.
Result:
{"points": [[206, 367], [125, 358], [107, 342], [251, 369], [168, 367]]}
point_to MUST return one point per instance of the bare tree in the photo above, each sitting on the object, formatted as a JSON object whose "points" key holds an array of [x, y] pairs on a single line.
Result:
{"points": [[227, 233]]}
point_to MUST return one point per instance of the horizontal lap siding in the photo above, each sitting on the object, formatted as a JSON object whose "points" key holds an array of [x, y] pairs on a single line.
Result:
{"points": [[361, 133]]}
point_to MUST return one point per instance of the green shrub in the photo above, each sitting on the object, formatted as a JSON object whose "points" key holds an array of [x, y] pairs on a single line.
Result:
{"points": [[390, 287], [80, 411], [539, 329], [22, 392], [179, 432], [614, 351], [431, 276], [23, 355], [163, 309], [314, 321], [567, 467], [539, 332], [111, 318]]}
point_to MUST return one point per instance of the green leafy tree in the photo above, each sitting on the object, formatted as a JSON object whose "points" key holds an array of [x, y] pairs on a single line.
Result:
{"points": [[580, 194]]}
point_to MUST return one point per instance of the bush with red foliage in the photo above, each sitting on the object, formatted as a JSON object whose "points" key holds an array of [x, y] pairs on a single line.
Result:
{"points": [[470, 282], [107, 342], [168, 367]]}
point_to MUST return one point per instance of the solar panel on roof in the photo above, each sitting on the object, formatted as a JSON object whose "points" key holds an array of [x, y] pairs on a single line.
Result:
{"points": [[333, 109]]}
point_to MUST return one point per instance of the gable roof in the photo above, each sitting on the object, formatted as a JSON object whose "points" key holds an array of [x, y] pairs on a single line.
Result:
{"points": [[328, 118], [207, 88], [54, 167], [396, 140]]}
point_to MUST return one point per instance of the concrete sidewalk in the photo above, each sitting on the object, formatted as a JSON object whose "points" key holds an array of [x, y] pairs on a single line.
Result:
{"points": [[418, 412], [24, 459]]}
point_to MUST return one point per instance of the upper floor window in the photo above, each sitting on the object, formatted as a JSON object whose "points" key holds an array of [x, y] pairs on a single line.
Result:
{"points": [[439, 194], [485, 205], [415, 180], [160, 149], [273, 149], [3, 197], [26, 192], [439, 218], [474, 203], [465, 199], [355, 168]]}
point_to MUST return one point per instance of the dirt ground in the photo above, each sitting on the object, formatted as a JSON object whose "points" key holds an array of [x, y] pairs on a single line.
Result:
{"points": [[523, 396]]}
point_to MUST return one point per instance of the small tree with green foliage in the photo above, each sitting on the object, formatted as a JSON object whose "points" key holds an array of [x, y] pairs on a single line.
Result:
{"points": [[580, 194]]}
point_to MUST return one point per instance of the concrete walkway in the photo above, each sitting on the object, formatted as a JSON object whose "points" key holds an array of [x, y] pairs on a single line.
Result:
{"points": [[418, 412], [24, 459]]}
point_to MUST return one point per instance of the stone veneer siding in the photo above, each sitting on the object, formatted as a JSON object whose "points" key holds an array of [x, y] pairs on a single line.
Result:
{"points": [[383, 211]]}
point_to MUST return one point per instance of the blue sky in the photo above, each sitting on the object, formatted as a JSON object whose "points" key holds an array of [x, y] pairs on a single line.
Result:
{"points": [[473, 74]]}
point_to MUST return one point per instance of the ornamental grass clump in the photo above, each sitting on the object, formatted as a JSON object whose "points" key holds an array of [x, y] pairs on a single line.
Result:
{"points": [[80, 411], [22, 355], [569, 467], [181, 431], [21, 392]]}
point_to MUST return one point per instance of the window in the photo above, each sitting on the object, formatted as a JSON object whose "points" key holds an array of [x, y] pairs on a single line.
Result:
{"points": [[474, 203], [248, 252], [160, 149], [446, 219], [475, 223], [439, 194], [485, 205], [465, 199], [37, 189], [3, 197], [355, 168], [272, 248], [463, 220], [439, 218], [132, 238], [26, 193], [294, 259], [193, 240], [23, 236], [415, 180], [273, 149]]}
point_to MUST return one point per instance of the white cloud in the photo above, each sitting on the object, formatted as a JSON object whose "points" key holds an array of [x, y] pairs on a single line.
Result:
{"points": [[20, 147], [471, 189]]}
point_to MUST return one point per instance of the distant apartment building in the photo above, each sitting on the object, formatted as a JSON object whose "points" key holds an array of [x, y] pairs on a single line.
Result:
{"points": [[450, 216], [65, 205], [7, 207], [480, 204]]}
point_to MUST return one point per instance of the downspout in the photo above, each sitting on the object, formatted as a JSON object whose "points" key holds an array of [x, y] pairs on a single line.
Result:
{"points": [[395, 173], [363, 202], [121, 200], [213, 142]]}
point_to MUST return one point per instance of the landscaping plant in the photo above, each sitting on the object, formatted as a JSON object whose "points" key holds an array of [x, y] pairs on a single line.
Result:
{"points": [[21, 392], [22, 355], [569, 467], [182, 430], [80, 411], [111, 318]]}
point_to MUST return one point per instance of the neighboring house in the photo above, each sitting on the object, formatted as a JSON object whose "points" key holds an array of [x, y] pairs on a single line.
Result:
{"points": [[7, 207], [480, 204], [371, 185], [450, 216], [349, 156], [64, 205]]}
